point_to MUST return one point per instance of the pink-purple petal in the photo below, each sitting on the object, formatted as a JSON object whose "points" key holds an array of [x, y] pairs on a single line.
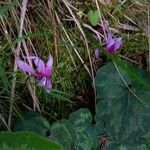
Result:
{"points": [[49, 62], [110, 40], [48, 85], [38, 62], [49, 66], [48, 72], [45, 83], [118, 43], [25, 67], [111, 49], [42, 82], [113, 44]]}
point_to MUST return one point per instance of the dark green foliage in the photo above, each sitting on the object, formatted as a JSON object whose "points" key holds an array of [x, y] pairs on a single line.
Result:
{"points": [[122, 114], [123, 110], [32, 121], [77, 133], [26, 141]]}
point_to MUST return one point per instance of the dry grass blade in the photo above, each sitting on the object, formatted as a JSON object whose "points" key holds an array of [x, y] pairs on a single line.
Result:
{"points": [[72, 45], [85, 41], [17, 51], [54, 25], [4, 122]]}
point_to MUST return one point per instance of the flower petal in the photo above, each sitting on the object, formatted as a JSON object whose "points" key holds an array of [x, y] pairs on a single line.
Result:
{"points": [[48, 72], [39, 63], [49, 66], [50, 61], [48, 85], [25, 67], [118, 43], [110, 41], [42, 82], [110, 48]]}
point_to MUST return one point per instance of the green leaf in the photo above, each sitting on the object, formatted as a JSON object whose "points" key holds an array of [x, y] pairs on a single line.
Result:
{"points": [[123, 112], [93, 17], [76, 133], [26, 141], [32, 121], [21, 147], [82, 122], [61, 132], [80, 119]]}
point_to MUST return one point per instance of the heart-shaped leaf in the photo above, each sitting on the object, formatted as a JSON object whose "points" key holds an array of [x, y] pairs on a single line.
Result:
{"points": [[75, 133], [123, 107], [93, 17]]}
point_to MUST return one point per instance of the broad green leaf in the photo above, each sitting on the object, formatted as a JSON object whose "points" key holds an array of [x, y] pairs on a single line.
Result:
{"points": [[26, 141], [139, 76], [93, 17], [124, 113], [82, 123], [108, 82], [61, 132], [77, 133], [81, 119], [32, 121], [21, 147]]}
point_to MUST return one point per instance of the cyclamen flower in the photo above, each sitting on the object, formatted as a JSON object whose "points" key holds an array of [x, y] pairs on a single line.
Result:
{"points": [[42, 73], [112, 44]]}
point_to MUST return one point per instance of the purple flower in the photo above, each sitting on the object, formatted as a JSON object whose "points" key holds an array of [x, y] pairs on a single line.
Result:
{"points": [[112, 44], [42, 73], [97, 53]]}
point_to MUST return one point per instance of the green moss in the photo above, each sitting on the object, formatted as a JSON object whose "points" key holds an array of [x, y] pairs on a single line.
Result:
{"points": [[135, 43]]}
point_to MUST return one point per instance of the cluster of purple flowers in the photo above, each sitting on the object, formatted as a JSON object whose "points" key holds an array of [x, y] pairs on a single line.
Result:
{"points": [[43, 72]]}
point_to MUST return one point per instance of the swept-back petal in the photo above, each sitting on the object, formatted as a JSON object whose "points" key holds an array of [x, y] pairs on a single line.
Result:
{"points": [[49, 66], [39, 63], [25, 67], [48, 85], [50, 61], [42, 82], [110, 45], [118, 43], [110, 41]]}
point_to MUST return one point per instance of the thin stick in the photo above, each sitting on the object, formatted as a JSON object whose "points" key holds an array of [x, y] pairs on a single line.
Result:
{"points": [[22, 17]]}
